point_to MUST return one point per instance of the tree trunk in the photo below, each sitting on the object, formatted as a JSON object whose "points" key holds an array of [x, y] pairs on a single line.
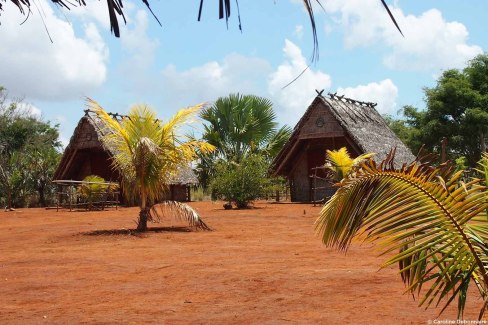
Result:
{"points": [[482, 142], [143, 214], [42, 198], [9, 199]]}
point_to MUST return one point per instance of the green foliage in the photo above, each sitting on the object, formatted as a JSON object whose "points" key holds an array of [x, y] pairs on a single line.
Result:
{"points": [[457, 108], [240, 125], [243, 182], [461, 163], [409, 128], [424, 218], [90, 189], [28, 154]]}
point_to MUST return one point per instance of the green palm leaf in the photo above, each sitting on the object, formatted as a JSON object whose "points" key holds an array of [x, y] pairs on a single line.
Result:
{"points": [[423, 218]]}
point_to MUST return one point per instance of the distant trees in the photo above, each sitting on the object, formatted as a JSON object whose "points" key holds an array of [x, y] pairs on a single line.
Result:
{"points": [[457, 109], [29, 154]]}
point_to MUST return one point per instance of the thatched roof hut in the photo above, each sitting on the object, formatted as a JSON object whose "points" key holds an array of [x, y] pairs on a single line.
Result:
{"points": [[86, 155], [331, 123]]}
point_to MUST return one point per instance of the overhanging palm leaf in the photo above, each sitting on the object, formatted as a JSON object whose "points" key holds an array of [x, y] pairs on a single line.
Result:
{"points": [[435, 224]]}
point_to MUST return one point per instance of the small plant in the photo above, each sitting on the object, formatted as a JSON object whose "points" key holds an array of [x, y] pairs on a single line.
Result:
{"points": [[241, 183], [340, 163], [199, 194], [92, 188]]}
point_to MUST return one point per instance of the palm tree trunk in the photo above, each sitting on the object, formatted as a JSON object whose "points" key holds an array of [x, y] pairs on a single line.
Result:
{"points": [[143, 214]]}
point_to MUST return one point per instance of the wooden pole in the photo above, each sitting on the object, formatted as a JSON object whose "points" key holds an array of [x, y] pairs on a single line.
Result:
{"points": [[443, 149]]}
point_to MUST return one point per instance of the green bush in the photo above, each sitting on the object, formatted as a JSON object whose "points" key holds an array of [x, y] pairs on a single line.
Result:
{"points": [[241, 183]]}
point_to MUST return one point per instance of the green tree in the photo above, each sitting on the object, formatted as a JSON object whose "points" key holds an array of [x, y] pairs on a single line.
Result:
{"points": [[28, 152], [148, 152], [457, 109], [436, 224], [408, 128], [243, 182], [240, 125]]}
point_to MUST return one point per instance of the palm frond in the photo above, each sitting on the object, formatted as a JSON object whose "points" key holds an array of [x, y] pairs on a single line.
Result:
{"points": [[421, 214], [179, 211]]}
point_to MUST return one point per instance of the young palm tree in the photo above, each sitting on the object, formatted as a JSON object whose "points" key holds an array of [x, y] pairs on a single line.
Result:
{"points": [[436, 224], [341, 163], [148, 151]]}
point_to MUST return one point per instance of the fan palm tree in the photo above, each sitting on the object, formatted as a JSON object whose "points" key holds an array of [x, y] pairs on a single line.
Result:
{"points": [[238, 125], [148, 151], [429, 222]]}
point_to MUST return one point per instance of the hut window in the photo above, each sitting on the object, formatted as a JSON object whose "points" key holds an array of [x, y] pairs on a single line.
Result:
{"points": [[320, 122]]}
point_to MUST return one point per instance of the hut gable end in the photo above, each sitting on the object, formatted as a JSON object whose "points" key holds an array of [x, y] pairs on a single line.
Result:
{"points": [[320, 123]]}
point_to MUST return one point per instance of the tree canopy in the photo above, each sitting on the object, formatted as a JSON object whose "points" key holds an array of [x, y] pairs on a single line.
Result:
{"points": [[29, 153], [457, 109]]}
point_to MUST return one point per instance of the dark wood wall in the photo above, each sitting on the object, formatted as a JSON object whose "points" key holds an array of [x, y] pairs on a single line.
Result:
{"points": [[320, 132]]}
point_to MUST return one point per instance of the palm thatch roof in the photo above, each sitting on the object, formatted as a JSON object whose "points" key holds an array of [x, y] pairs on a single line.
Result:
{"points": [[360, 121], [87, 136]]}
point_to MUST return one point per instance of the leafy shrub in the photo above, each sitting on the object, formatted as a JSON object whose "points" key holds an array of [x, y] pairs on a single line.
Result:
{"points": [[241, 183]]}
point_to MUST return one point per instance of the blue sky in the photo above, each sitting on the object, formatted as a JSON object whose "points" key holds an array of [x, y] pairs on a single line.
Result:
{"points": [[185, 62]]}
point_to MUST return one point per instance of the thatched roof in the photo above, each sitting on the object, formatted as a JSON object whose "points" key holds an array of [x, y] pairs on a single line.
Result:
{"points": [[88, 134], [360, 121]]}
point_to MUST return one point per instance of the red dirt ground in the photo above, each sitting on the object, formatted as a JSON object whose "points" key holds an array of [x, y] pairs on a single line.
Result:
{"points": [[259, 266]]}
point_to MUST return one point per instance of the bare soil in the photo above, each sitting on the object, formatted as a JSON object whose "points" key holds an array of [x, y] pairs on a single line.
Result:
{"points": [[259, 266]]}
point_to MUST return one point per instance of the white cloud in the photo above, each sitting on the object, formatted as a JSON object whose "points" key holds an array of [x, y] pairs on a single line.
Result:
{"points": [[31, 65], [430, 42], [383, 93], [136, 41], [236, 73], [291, 102], [298, 31], [94, 11]]}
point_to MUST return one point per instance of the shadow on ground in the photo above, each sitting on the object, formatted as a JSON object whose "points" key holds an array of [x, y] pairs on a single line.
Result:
{"points": [[134, 232]]}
